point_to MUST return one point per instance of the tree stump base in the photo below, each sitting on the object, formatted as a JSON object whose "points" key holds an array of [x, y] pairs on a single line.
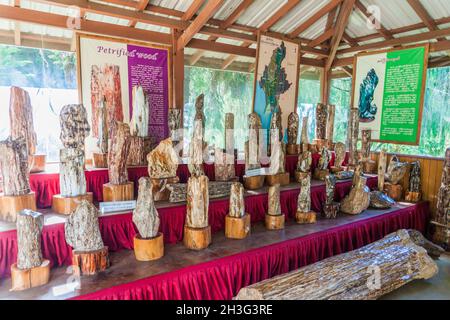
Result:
{"points": [[282, 179], [369, 166], [330, 211], [29, 278], [299, 176], [89, 263], [67, 205], [159, 188], [37, 163], [149, 249], [275, 222], [254, 183], [118, 192], [394, 191], [10, 206], [413, 197], [237, 228], [100, 160], [321, 174], [306, 217], [320, 143], [293, 149], [197, 238]]}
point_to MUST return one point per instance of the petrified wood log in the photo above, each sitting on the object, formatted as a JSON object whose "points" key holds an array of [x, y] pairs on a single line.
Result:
{"points": [[274, 201], [353, 130], [293, 123], [136, 155], [145, 215], [71, 172], [442, 232], [29, 228], [140, 118], [276, 131], [195, 164], [304, 214], [223, 165], [381, 169], [163, 161], [237, 222], [21, 118], [197, 202], [252, 146], [363, 274], [358, 199], [102, 141], [304, 162], [175, 125], [321, 121], [237, 205], [118, 153], [304, 137], [74, 126], [380, 200], [330, 122], [81, 229], [277, 158], [339, 149], [14, 166], [396, 170], [216, 189]]}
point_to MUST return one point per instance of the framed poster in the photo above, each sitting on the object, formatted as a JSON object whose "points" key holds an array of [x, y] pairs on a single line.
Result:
{"points": [[388, 90], [276, 78], [109, 69]]}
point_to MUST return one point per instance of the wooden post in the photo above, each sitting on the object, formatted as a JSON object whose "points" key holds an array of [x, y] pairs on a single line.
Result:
{"points": [[325, 80], [178, 72]]}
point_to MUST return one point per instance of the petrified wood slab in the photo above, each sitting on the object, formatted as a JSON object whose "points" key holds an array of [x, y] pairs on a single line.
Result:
{"points": [[23, 279], [14, 166], [145, 215], [197, 197], [237, 204], [10, 206], [237, 227], [197, 238], [29, 228], [118, 192], [396, 259], [74, 126], [118, 153], [216, 189], [67, 205], [89, 263], [136, 153], [149, 249]]}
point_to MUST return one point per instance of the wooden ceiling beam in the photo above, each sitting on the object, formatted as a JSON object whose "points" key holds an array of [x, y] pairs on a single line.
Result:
{"points": [[195, 57], [278, 15], [424, 15], [228, 61], [234, 16], [382, 30], [142, 4], [221, 47], [322, 38], [192, 10]]}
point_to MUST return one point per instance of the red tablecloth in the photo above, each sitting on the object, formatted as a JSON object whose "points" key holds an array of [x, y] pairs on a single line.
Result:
{"points": [[118, 230], [224, 277]]}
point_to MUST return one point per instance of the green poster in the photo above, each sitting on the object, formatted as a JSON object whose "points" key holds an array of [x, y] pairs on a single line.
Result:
{"points": [[400, 118]]}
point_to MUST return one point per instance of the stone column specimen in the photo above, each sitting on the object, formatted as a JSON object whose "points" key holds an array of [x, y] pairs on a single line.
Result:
{"points": [[102, 141], [304, 197], [29, 228], [339, 150], [118, 153], [74, 126], [367, 273], [237, 205], [145, 216], [381, 169], [197, 202], [229, 133], [304, 162], [293, 123], [14, 166], [304, 137], [321, 121], [442, 234], [163, 161], [175, 125], [274, 201], [330, 122], [71, 172], [396, 170], [358, 199], [81, 229], [21, 118], [140, 118], [353, 130], [252, 154], [195, 164], [414, 177]]}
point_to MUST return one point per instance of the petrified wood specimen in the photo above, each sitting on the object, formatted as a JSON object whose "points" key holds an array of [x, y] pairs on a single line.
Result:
{"points": [[381, 169], [330, 122], [304, 162], [353, 130], [276, 131], [278, 158], [145, 216], [21, 118], [163, 161], [442, 233], [414, 177], [304, 136], [274, 201], [304, 197], [140, 118], [396, 170], [237, 205], [357, 173], [102, 141], [380, 200], [363, 274], [74, 126], [223, 165], [195, 164], [175, 125], [321, 121], [365, 144], [118, 153], [29, 228], [14, 166], [229, 133], [358, 199], [344, 175], [293, 123], [324, 161], [199, 113], [136, 155], [216, 189], [339, 150], [252, 155], [330, 186], [432, 249], [71, 172], [82, 230], [197, 202]]}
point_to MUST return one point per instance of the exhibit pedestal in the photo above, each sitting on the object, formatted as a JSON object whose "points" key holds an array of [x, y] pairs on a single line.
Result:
{"points": [[197, 238], [10, 206], [369, 166], [29, 278], [293, 149], [237, 228], [413, 197], [159, 188], [274, 222], [321, 174], [90, 263], [282, 179], [148, 249], [330, 211], [320, 143], [305, 217], [100, 160], [118, 192], [394, 191], [67, 205], [37, 163], [253, 183], [299, 176]]}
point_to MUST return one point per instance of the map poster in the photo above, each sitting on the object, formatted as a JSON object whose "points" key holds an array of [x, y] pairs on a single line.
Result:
{"points": [[108, 71], [276, 79], [389, 92]]}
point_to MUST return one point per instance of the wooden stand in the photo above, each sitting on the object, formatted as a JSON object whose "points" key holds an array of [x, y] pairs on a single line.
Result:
{"points": [[306, 217], [330, 211], [321, 174], [67, 205], [293, 149], [394, 191], [118, 192], [37, 163], [160, 190], [100, 160], [148, 249], [369, 166], [197, 238], [282, 179], [275, 222], [320, 143], [413, 196], [254, 183], [90, 263], [11, 205], [237, 228], [29, 278], [299, 176]]}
